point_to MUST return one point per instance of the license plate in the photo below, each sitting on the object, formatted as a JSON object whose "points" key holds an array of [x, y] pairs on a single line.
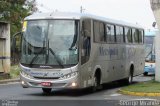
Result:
{"points": [[48, 84]]}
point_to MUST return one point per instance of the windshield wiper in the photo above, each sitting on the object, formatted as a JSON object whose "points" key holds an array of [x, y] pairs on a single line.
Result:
{"points": [[59, 61], [57, 58], [41, 52], [74, 38]]}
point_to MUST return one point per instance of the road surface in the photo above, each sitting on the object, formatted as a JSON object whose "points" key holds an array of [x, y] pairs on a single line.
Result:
{"points": [[14, 93]]}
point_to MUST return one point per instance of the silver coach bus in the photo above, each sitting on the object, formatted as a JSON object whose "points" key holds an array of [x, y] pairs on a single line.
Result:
{"points": [[71, 50]]}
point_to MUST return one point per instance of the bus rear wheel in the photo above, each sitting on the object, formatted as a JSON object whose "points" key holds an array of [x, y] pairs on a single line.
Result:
{"points": [[46, 90], [130, 79]]}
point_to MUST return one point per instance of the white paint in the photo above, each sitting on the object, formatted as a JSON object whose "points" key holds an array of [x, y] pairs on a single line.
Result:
{"points": [[11, 83], [116, 94], [145, 99]]}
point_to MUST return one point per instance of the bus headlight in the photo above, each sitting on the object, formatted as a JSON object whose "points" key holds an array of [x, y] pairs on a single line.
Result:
{"points": [[26, 75], [69, 75]]}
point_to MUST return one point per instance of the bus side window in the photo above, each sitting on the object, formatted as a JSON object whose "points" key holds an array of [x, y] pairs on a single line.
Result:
{"points": [[135, 35], [110, 33], [86, 40], [119, 34], [140, 36], [128, 35]]}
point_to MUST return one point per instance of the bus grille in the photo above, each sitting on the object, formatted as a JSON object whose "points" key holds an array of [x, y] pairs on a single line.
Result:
{"points": [[47, 77]]}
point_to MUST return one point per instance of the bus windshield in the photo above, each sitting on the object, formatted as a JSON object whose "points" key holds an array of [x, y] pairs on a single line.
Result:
{"points": [[50, 42]]}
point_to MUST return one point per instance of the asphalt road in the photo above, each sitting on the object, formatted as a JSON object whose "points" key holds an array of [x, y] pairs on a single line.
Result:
{"points": [[14, 94]]}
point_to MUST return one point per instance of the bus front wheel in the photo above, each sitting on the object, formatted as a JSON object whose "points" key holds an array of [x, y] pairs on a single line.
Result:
{"points": [[96, 83]]}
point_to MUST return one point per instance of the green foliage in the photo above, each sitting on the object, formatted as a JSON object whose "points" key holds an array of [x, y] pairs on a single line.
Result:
{"points": [[147, 87], [14, 72], [14, 12]]}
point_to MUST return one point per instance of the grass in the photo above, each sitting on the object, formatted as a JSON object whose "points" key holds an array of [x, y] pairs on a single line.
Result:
{"points": [[147, 87], [14, 71]]}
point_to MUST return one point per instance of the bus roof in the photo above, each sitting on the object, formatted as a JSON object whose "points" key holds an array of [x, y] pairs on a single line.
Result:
{"points": [[65, 15]]}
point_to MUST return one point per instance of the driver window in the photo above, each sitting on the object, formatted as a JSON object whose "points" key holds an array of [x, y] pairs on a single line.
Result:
{"points": [[86, 40]]}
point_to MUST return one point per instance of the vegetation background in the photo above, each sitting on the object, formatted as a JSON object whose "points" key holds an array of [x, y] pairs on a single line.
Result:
{"points": [[14, 12]]}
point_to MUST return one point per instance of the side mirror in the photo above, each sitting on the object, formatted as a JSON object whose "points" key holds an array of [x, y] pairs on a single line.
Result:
{"points": [[13, 46]]}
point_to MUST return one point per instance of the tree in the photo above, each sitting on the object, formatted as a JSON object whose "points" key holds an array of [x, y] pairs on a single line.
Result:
{"points": [[14, 11]]}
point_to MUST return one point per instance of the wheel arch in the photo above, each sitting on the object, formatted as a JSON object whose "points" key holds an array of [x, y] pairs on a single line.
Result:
{"points": [[98, 72], [131, 69]]}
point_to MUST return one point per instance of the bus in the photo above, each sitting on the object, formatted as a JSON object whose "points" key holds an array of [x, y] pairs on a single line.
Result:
{"points": [[76, 51]]}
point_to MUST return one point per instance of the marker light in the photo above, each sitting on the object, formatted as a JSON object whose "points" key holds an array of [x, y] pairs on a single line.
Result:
{"points": [[69, 75], [74, 84], [23, 83]]}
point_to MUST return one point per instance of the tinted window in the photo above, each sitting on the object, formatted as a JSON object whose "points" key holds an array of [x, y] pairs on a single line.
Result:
{"points": [[135, 35], [128, 35], [86, 41], [99, 31], [96, 31], [140, 36], [119, 34], [110, 33]]}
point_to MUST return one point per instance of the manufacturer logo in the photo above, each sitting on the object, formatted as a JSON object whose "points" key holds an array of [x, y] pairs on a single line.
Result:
{"points": [[45, 74]]}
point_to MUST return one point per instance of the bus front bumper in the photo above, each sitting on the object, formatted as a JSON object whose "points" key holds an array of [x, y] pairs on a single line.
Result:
{"points": [[69, 83]]}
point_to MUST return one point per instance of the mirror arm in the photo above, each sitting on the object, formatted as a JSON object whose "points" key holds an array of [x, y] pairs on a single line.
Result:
{"points": [[14, 40], [16, 34]]}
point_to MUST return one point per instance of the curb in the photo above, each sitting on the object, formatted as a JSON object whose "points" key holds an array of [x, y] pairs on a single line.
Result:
{"points": [[138, 93], [9, 80]]}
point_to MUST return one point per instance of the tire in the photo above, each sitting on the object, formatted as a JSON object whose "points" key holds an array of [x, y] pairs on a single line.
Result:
{"points": [[130, 78], [46, 90], [96, 85], [124, 81], [145, 73]]}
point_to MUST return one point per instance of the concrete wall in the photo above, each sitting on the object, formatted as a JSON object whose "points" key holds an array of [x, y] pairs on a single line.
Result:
{"points": [[157, 17], [155, 5], [4, 47]]}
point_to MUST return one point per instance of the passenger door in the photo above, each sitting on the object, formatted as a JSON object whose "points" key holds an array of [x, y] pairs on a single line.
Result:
{"points": [[85, 50]]}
